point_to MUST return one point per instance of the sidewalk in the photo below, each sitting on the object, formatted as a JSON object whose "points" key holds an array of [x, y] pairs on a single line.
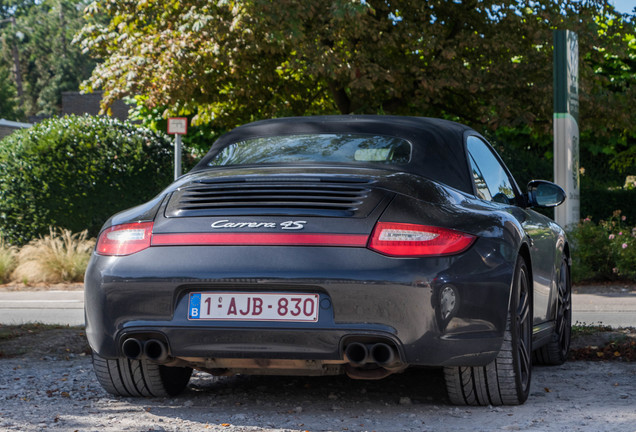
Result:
{"points": [[612, 305]]}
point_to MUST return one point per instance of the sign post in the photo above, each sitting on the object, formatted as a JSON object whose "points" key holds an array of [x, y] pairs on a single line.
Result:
{"points": [[177, 126], [566, 125]]}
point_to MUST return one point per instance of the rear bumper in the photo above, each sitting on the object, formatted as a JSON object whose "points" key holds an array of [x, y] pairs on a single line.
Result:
{"points": [[363, 296]]}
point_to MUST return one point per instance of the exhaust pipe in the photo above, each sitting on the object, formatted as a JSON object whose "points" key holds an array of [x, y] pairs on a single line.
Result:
{"points": [[132, 348], [156, 350], [357, 354], [383, 354]]}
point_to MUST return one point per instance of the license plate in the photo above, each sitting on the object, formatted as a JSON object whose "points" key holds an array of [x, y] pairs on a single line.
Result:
{"points": [[253, 307]]}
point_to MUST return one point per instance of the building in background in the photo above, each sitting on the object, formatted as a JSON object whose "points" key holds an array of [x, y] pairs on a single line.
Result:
{"points": [[7, 127], [72, 103], [79, 104]]}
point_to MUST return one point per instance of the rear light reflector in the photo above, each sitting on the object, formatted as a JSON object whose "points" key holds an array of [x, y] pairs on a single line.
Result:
{"points": [[411, 240], [259, 239], [125, 239]]}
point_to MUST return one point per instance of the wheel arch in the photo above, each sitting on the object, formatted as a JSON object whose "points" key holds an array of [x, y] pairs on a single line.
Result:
{"points": [[524, 252]]}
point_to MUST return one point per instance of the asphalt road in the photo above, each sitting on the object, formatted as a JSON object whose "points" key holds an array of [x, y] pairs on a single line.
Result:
{"points": [[616, 309], [48, 307]]}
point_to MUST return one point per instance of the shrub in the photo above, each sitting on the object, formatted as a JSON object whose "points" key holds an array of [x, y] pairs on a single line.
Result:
{"points": [[604, 251], [60, 256], [7, 260], [75, 172], [597, 203]]}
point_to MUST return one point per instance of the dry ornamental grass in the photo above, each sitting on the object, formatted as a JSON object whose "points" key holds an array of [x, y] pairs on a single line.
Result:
{"points": [[8, 260], [60, 256]]}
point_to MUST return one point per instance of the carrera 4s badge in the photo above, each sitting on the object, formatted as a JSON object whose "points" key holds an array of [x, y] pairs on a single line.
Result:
{"points": [[287, 225]]}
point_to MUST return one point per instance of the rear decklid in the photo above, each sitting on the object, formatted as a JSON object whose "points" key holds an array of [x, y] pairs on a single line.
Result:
{"points": [[265, 200]]}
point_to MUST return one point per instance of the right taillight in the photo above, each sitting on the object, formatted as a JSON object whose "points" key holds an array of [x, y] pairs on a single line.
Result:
{"points": [[125, 239], [412, 240]]}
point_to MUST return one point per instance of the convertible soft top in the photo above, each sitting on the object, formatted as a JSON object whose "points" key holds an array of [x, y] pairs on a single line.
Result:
{"points": [[438, 145]]}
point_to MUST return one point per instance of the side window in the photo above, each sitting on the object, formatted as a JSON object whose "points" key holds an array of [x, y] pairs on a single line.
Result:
{"points": [[491, 180]]}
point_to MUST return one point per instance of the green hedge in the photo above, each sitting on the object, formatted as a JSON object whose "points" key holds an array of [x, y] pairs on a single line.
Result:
{"points": [[599, 204], [74, 172]]}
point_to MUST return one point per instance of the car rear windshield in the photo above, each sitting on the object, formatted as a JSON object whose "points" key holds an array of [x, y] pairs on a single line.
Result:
{"points": [[310, 148]]}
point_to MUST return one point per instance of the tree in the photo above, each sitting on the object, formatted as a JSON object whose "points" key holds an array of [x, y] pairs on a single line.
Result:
{"points": [[49, 63], [8, 96], [611, 80], [12, 8], [488, 63]]}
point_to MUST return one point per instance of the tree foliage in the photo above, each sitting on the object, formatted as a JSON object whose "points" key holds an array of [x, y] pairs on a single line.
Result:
{"points": [[49, 63], [8, 96], [488, 63]]}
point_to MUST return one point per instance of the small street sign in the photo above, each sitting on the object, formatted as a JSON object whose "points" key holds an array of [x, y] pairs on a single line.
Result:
{"points": [[177, 125]]}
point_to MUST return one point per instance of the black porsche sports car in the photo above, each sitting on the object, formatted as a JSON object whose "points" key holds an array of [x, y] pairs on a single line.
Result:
{"points": [[358, 245]]}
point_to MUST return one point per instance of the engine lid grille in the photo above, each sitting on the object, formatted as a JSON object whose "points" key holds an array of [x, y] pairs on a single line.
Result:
{"points": [[319, 197]]}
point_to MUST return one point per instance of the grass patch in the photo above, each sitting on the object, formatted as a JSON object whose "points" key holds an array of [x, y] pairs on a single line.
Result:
{"points": [[59, 257], [16, 331], [8, 260], [582, 329]]}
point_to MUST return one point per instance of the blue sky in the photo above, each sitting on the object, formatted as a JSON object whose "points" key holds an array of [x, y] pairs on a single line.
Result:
{"points": [[624, 6]]}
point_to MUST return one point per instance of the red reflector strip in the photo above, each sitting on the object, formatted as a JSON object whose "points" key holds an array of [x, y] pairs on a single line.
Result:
{"points": [[259, 239]]}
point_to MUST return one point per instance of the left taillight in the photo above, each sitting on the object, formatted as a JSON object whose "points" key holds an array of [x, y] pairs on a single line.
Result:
{"points": [[125, 239], [412, 240]]}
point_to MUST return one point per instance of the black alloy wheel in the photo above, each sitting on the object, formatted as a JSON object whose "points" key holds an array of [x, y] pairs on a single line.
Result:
{"points": [[505, 380], [557, 350]]}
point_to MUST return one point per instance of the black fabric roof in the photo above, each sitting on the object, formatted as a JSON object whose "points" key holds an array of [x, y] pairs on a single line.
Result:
{"points": [[438, 145]]}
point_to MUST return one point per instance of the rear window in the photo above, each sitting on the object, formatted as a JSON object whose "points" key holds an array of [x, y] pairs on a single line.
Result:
{"points": [[338, 148]]}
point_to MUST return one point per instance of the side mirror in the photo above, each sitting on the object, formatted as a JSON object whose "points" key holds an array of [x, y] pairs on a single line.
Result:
{"points": [[543, 193]]}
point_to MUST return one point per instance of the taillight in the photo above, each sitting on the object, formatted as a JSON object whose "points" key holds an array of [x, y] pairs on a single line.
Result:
{"points": [[410, 240], [125, 239]]}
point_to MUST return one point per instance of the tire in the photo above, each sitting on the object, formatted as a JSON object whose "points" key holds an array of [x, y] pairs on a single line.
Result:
{"points": [[557, 350], [506, 380], [124, 377]]}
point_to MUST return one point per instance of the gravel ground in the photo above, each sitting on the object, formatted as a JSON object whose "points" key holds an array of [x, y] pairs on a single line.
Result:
{"points": [[47, 383], [62, 394]]}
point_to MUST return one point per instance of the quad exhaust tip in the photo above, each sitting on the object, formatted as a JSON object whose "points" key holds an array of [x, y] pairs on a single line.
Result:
{"points": [[357, 354], [132, 348], [372, 361], [152, 349], [382, 354], [156, 350]]}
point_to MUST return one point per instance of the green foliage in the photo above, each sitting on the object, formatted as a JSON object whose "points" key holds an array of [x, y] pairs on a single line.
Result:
{"points": [[49, 63], [74, 172], [196, 142], [597, 203], [590, 252], [584, 329], [8, 98], [604, 251], [226, 63], [518, 149]]}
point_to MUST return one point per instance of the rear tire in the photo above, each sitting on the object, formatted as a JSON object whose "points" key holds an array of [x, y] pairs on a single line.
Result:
{"points": [[124, 377], [557, 350], [506, 380]]}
